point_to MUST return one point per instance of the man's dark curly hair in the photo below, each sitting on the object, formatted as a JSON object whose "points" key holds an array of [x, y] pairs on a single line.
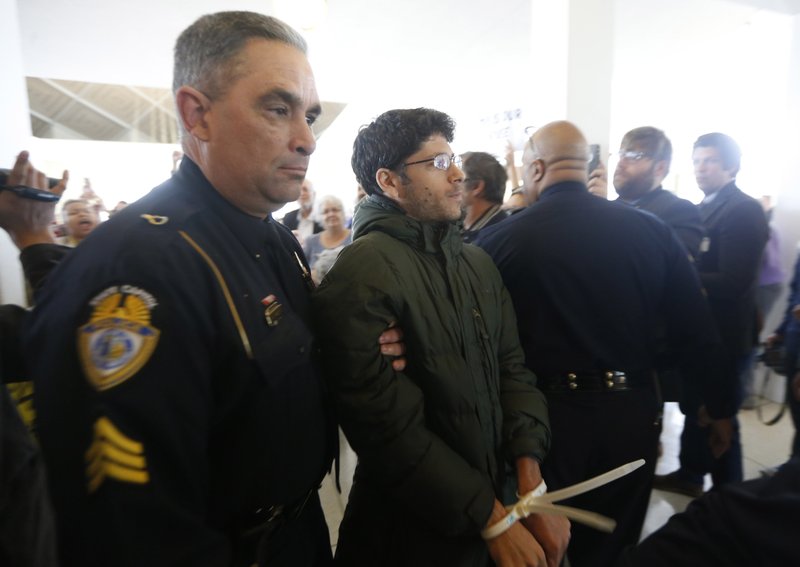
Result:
{"points": [[391, 138]]}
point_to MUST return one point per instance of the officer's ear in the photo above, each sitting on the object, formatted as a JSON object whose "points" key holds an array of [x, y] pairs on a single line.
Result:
{"points": [[477, 190], [193, 107], [538, 169]]}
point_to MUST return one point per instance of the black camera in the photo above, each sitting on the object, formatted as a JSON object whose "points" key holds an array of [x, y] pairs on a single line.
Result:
{"points": [[29, 192]]}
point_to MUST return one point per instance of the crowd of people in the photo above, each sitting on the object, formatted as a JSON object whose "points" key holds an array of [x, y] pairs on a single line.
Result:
{"points": [[193, 358]]}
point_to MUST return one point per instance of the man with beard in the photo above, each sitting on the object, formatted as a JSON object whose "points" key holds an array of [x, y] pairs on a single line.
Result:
{"points": [[433, 441], [644, 158], [645, 155]]}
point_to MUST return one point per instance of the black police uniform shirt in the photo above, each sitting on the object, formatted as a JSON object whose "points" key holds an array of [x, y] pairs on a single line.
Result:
{"points": [[175, 388], [604, 277]]}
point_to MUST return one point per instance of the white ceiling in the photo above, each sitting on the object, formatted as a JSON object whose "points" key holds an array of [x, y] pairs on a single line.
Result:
{"points": [[131, 42], [782, 6], [109, 41], [362, 50]]}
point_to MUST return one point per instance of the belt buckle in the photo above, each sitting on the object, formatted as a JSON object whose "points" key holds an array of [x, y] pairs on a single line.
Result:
{"points": [[572, 383], [615, 380]]}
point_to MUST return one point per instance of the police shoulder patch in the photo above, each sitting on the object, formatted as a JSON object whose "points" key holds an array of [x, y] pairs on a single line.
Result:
{"points": [[118, 339]]}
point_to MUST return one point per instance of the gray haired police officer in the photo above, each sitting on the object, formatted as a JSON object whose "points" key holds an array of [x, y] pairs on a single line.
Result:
{"points": [[180, 411]]}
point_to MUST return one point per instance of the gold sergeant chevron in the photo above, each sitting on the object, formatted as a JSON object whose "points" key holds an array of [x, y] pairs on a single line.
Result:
{"points": [[114, 455]]}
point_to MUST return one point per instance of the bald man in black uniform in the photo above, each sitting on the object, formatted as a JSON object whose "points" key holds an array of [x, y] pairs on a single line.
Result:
{"points": [[591, 280]]}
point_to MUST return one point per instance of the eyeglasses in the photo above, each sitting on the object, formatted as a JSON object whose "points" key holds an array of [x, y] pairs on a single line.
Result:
{"points": [[629, 155], [440, 161]]}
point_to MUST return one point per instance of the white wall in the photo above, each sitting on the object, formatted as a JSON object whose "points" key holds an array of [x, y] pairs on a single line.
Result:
{"points": [[591, 65], [696, 66], [787, 212], [16, 132]]}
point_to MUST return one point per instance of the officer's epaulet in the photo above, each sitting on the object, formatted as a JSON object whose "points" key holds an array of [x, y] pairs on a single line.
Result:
{"points": [[156, 220]]}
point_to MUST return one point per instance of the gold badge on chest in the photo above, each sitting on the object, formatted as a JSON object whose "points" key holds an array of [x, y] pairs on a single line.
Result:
{"points": [[118, 339]]}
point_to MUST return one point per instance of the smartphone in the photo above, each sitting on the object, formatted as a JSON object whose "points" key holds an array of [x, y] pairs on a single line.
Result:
{"points": [[594, 149], [29, 192]]}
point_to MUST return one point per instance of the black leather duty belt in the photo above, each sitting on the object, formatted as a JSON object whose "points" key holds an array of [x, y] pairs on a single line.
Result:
{"points": [[606, 381]]}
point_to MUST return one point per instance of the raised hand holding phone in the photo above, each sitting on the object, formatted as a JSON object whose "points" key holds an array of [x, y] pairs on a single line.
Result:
{"points": [[27, 205]]}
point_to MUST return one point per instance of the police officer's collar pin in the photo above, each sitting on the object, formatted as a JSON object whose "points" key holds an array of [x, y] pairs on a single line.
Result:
{"points": [[155, 219], [273, 310]]}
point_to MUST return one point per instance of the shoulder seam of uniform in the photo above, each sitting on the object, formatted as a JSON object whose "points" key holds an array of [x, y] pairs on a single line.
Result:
{"points": [[225, 291]]}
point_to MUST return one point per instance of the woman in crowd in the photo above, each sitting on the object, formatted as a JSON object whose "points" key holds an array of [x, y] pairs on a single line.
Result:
{"points": [[330, 211]]}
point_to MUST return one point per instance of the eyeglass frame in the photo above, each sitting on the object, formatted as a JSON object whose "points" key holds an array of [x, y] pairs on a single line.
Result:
{"points": [[452, 159], [630, 155]]}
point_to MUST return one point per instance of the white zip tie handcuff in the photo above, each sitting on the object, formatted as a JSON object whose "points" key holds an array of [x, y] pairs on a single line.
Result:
{"points": [[537, 501]]}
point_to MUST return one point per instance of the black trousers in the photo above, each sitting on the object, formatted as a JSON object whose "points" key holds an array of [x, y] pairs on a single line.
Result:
{"points": [[791, 344], [593, 432]]}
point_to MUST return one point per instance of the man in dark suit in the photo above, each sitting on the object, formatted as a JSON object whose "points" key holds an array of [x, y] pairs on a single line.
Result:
{"points": [[301, 221], [737, 232], [645, 155], [591, 281]]}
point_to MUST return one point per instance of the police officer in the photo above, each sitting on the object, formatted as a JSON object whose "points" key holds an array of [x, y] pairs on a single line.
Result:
{"points": [[591, 282], [180, 411]]}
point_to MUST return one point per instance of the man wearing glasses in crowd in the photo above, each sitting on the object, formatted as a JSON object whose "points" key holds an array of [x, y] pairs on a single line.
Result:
{"points": [[645, 155], [433, 441]]}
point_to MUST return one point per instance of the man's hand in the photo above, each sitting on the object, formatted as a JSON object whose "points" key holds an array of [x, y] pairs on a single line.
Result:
{"points": [[719, 436], [598, 181], [796, 312], [720, 432], [391, 342], [774, 339], [27, 221], [515, 547], [550, 531]]}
